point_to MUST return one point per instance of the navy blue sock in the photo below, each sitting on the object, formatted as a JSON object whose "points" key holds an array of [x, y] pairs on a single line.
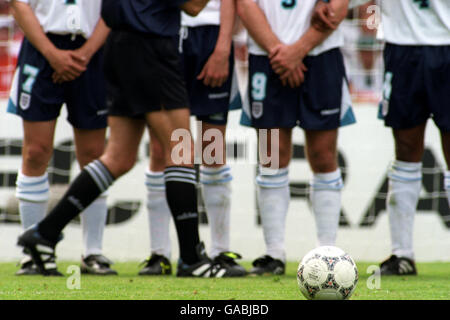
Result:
{"points": [[181, 193]]}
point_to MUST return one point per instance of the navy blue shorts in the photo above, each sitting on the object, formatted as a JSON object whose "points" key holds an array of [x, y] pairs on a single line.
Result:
{"points": [[143, 74], [207, 103], [417, 86], [322, 102], [35, 97]]}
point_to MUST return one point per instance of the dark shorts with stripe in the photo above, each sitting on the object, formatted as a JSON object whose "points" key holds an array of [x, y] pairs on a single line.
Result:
{"points": [[322, 102], [208, 104], [35, 97], [416, 87]]}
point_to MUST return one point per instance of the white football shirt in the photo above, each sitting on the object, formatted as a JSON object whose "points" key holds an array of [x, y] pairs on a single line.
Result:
{"points": [[289, 20], [416, 22], [67, 16], [210, 15]]}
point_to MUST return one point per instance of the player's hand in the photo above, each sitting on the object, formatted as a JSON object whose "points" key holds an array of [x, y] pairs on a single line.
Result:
{"points": [[295, 78], [324, 18], [216, 70], [66, 65], [82, 56], [287, 62]]}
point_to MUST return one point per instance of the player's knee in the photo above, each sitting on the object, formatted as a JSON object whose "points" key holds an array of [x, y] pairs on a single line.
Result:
{"points": [[88, 155], [125, 165], [180, 155], [120, 164], [408, 150], [285, 157], [157, 156], [322, 161], [278, 157], [36, 155]]}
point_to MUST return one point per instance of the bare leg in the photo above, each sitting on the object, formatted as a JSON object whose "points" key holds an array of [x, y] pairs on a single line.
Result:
{"points": [[89, 145], [405, 181], [32, 181], [273, 193], [326, 185]]}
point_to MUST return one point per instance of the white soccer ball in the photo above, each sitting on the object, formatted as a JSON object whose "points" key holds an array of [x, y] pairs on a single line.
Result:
{"points": [[327, 273]]}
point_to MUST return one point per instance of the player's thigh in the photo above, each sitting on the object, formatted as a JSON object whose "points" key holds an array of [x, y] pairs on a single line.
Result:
{"points": [[37, 146], [409, 143], [321, 150], [89, 144], [123, 144]]}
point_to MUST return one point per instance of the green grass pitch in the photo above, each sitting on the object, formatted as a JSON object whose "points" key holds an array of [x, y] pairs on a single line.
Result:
{"points": [[432, 283]]}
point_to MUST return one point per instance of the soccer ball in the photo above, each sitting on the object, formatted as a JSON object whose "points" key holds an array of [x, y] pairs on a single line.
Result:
{"points": [[327, 273]]}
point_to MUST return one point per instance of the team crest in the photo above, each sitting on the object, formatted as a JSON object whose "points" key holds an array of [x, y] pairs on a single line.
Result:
{"points": [[24, 101], [257, 109]]}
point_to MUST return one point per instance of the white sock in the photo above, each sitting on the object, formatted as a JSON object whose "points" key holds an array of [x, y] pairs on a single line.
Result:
{"points": [[93, 221], [33, 194], [158, 214], [217, 197], [273, 201], [405, 182], [326, 205], [447, 185]]}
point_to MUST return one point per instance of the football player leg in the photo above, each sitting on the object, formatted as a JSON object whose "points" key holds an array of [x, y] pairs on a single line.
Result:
{"points": [[273, 197], [405, 181], [215, 177], [119, 157], [171, 128], [159, 215], [89, 145], [326, 185], [32, 180]]}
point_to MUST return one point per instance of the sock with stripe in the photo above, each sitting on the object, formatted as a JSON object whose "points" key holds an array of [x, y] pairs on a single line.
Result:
{"points": [[405, 182], [158, 214], [33, 195], [181, 193], [273, 197], [217, 196], [326, 205], [93, 180], [93, 221]]}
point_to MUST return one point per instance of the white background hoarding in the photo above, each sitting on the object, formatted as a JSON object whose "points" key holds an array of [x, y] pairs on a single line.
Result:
{"points": [[366, 150]]}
